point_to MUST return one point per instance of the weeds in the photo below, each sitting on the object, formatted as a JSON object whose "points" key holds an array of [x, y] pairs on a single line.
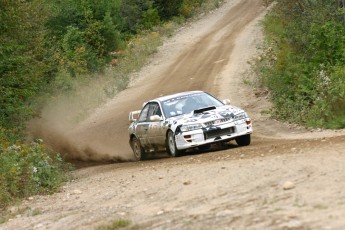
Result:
{"points": [[117, 224], [29, 169], [302, 63]]}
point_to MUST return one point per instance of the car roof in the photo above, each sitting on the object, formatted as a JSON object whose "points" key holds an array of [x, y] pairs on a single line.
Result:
{"points": [[167, 97]]}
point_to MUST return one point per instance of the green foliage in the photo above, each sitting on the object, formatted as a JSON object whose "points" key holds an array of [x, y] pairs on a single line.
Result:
{"points": [[302, 63], [189, 7], [28, 170], [150, 18], [83, 33], [168, 8], [21, 66], [138, 15], [117, 224]]}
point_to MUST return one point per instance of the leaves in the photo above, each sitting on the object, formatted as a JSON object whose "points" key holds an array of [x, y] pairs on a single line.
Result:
{"points": [[308, 38], [28, 170]]}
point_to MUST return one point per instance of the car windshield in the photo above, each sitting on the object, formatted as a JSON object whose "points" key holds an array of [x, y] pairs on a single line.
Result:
{"points": [[188, 103]]}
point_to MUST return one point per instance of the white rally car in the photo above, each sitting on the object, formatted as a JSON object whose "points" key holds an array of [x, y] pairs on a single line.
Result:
{"points": [[186, 120]]}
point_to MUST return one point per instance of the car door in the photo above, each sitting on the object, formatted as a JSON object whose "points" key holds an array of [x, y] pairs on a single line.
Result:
{"points": [[142, 126], [155, 132]]}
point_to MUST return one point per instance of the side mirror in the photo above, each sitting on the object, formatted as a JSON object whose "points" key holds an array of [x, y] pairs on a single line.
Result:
{"points": [[134, 115], [226, 101], [155, 118]]}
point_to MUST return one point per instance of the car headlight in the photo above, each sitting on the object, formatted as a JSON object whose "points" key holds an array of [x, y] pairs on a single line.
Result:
{"points": [[185, 128], [240, 116]]}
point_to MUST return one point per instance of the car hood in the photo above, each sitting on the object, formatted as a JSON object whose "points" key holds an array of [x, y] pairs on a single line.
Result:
{"points": [[224, 112]]}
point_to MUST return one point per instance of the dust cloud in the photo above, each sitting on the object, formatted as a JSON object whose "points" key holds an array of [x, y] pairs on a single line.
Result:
{"points": [[65, 128]]}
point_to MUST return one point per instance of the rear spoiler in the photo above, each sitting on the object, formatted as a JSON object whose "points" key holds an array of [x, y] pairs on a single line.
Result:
{"points": [[133, 116]]}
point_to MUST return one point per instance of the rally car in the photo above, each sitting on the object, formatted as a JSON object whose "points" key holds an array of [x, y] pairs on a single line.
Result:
{"points": [[193, 119]]}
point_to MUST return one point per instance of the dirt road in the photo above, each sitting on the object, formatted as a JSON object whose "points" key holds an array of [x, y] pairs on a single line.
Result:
{"points": [[288, 178]]}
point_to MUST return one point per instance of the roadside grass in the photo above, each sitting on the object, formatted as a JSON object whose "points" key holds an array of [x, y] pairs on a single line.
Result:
{"points": [[301, 64], [27, 170], [116, 224], [16, 210], [320, 206]]}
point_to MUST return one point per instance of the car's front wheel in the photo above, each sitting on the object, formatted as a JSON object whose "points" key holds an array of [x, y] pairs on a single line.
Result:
{"points": [[171, 145], [243, 140], [139, 152]]}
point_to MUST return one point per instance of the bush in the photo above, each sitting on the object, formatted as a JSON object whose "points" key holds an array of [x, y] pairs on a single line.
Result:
{"points": [[168, 8], [302, 64], [21, 66], [83, 33], [28, 170]]}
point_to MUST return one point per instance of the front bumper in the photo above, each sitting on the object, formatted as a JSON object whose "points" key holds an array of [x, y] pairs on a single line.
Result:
{"points": [[213, 134]]}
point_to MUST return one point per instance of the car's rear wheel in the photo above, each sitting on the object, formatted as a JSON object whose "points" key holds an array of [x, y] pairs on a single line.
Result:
{"points": [[171, 145], [139, 152], [243, 140]]}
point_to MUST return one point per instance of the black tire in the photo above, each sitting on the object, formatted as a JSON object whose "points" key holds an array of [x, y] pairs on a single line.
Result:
{"points": [[171, 145], [243, 140], [204, 147], [138, 150]]}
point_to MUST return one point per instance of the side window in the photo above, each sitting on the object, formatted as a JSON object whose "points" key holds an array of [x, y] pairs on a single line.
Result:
{"points": [[143, 114], [154, 110], [157, 110]]}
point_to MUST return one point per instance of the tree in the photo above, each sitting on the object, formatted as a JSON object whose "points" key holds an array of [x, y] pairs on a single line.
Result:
{"points": [[22, 67], [168, 8], [84, 33]]}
